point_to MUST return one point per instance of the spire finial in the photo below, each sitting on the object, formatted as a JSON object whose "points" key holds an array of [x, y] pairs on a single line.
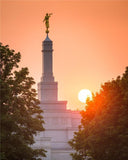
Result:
{"points": [[46, 20]]}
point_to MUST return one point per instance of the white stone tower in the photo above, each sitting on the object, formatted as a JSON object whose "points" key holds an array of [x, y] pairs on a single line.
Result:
{"points": [[60, 123], [47, 88]]}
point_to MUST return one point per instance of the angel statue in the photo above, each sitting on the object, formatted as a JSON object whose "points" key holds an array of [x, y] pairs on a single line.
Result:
{"points": [[46, 20]]}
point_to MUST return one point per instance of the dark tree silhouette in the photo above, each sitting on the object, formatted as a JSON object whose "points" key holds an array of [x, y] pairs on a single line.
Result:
{"points": [[103, 133], [20, 114]]}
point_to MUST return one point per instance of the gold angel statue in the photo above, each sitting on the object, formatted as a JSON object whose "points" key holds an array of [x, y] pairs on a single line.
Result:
{"points": [[46, 20]]}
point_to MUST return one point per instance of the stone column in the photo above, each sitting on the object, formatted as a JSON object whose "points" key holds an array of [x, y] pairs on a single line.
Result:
{"points": [[47, 88]]}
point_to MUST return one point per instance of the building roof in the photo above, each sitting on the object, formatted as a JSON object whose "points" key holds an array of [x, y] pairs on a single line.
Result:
{"points": [[47, 38]]}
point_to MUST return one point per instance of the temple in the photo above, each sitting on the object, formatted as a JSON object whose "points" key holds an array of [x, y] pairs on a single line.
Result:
{"points": [[60, 123]]}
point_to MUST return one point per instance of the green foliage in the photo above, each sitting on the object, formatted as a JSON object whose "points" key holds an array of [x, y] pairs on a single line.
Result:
{"points": [[103, 133], [20, 114]]}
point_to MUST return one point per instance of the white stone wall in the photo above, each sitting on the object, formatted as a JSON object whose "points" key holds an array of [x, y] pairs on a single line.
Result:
{"points": [[60, 125], [47, 91]]}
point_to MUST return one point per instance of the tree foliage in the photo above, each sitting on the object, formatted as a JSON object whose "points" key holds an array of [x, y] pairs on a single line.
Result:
{"points": [[20, 114], [103, 133]]}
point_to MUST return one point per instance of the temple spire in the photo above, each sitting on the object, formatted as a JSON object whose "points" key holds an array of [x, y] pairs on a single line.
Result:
{"points": [[47, 88], [47, 53], [47, 60]]}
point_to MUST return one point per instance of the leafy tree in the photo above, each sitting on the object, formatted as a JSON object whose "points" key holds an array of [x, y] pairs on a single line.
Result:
{"points": [[20, 114], [103, 133]]}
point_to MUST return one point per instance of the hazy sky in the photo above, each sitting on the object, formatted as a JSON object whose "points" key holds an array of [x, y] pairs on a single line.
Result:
{"points": [[90, 40]]}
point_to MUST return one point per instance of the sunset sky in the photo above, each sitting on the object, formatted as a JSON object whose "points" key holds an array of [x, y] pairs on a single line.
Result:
{"points": [[90, 40]]}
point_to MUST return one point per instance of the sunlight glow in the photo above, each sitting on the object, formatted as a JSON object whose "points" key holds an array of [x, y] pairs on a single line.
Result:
{"points": [[84, 94]]}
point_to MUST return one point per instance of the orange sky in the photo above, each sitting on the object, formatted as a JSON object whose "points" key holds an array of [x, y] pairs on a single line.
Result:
{"points": [[90, 40]]}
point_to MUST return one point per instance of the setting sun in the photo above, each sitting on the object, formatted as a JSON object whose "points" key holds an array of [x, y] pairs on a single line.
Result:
{"points": [[84, 94]]}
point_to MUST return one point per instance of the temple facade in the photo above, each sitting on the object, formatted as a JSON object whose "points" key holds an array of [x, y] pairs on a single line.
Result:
{"points": [[60, 123]]}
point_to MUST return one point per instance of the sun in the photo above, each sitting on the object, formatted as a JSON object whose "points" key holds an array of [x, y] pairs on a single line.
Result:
{"points": [[84, 94]]}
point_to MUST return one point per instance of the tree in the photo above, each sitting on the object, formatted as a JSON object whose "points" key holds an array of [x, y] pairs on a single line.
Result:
{"points": [[20, 114], [103, 133]]}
